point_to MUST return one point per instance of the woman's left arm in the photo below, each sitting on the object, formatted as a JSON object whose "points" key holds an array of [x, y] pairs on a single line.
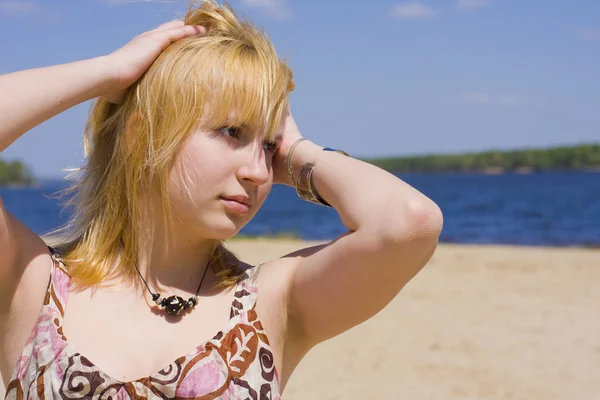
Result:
{"points": [[393, 232]]}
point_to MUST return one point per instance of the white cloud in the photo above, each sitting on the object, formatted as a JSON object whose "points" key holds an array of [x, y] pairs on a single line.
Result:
{"points": [[590, 35], [467, 4], [18, 7], [506, 100], [511, 100], [413, 10], [474, 98], [275, 9]]}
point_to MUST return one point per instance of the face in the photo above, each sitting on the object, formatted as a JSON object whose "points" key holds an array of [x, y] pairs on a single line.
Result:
{"points": [[220, 181]]}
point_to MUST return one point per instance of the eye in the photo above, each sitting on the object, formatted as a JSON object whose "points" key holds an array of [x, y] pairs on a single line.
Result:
{"points": [[231, 131], [270, 146]]}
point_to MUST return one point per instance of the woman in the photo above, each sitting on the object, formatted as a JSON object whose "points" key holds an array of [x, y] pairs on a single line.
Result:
{"points": [[138, 297]]}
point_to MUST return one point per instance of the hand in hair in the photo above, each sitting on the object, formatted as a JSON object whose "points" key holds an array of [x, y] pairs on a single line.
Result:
{"points": [[132, 60]]}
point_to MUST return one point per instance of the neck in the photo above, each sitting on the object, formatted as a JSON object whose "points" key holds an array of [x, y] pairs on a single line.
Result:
{"points": [[176, 265]]}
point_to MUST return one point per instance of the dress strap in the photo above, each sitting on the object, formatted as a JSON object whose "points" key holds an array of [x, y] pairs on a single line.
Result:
{"points": [[60, 282], [246, 291]]}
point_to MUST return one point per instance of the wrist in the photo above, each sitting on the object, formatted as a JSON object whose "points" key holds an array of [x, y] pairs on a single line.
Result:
{"points": [[305, 152], [110, 79]]}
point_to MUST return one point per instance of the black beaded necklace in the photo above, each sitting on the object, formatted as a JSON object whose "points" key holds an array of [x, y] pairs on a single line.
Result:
{"points": [[174, 305]]}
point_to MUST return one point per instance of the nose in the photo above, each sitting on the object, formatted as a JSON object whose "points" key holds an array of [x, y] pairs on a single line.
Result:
{"points": [[254, 166]]}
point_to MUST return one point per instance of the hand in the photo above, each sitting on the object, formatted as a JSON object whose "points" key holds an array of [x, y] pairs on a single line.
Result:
{"points": [[291, 133], [132, 60]]}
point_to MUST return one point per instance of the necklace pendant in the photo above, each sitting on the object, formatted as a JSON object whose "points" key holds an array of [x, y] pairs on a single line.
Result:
{"points": [[174, 305]]}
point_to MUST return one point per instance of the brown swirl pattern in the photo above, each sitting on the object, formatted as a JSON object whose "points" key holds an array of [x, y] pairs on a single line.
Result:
{"points": [[237, 363]]}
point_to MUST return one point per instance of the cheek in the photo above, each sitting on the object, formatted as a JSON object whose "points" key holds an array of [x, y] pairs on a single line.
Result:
{"points": [[264, 190], [198, 173]]}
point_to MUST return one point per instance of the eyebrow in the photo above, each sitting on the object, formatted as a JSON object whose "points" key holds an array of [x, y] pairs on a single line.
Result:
{"points": [[276, 138]]}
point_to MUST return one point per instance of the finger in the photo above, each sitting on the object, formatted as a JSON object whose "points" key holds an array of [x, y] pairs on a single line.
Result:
{"points": [[174, 34], [176, 23]]}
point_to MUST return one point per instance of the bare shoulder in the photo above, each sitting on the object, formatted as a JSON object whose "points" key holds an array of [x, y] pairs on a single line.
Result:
{"points": [[22, 292], [29, 268]]}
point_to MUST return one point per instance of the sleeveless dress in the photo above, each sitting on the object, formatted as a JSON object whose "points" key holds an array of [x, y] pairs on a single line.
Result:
{"points": [[237, 363]]}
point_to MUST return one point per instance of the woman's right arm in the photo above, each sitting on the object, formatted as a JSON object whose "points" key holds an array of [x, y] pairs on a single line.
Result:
{"points": [[30, 97]]}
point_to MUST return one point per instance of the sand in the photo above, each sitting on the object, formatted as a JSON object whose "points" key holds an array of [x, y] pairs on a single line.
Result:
{"points": [[479, 322]]}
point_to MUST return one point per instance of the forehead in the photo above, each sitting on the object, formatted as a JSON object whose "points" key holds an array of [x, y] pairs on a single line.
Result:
{"points": [[250, 118]]}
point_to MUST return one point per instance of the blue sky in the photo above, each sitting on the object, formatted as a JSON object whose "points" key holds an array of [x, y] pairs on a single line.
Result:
{"points": [[375, 78]]}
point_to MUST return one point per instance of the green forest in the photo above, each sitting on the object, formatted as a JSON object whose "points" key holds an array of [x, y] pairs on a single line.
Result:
{"points": [[15, 173], [581, 157]]}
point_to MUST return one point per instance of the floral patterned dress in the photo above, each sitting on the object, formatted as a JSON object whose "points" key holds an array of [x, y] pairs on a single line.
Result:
{"points": [[237, 363]]}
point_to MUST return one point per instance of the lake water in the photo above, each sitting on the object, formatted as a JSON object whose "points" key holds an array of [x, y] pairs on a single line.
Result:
{"points": [[549, 208]]}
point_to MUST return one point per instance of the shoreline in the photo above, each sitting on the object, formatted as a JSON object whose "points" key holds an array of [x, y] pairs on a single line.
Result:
{"points": [[20, 185], [519, 171], [293, 238]]}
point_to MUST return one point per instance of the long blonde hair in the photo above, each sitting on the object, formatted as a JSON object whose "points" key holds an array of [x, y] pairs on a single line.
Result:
{"points": [[131, 147]]}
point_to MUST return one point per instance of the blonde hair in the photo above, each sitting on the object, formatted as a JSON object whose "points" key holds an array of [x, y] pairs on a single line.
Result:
{"points": [[132, 147]]}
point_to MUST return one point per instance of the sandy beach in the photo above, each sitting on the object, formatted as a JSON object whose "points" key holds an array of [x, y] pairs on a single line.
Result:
{"points": [[479, 322]]}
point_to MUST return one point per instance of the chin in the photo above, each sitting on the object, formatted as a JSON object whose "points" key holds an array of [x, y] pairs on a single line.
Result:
{"points": [[225, 228], [215, 225]]}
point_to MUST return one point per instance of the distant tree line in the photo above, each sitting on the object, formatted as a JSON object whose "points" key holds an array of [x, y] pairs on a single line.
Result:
{"points": [[558, 158], [15, 173]]}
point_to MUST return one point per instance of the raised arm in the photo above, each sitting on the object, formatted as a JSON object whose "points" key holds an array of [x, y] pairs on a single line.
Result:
{"points": [[28, 98], [393, 230]]}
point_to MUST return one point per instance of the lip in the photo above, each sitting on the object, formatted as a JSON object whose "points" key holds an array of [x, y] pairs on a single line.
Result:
{"points": [[240, 199], [236, 203]]}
